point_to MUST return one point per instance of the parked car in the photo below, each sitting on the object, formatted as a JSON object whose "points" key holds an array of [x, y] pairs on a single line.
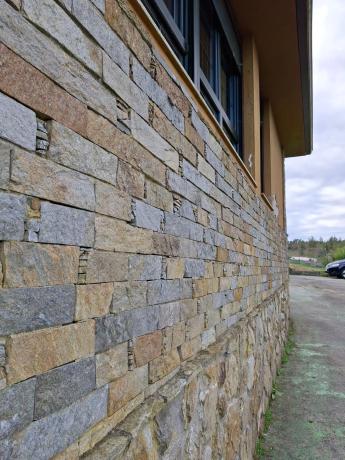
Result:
{"points": [[336, 268]]}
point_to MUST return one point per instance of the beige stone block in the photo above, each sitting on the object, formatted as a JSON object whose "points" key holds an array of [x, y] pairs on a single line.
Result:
{"points": [[202, 217], [127, 31], [71, 453], [206, 169], [154, 143], [189, 308], [130, 181], [209, 272], [230, 309], [163, 365], [2, 378], [238, 293], [33, 264], [93, 300], [205, 286], [222, 255], [159, 197], [147, 347], [213, 318], [178, 334], [175, 268], [106, 266], [193, 136], [33, 175], [225, 283], [195, 326], [126, 388], [32, 353], [105, 134], [113, 202], [115, 235], [111, 364], [190, 348]]}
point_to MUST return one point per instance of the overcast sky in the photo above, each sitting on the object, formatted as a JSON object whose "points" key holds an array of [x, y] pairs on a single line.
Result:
{"points": [[315, 184]]}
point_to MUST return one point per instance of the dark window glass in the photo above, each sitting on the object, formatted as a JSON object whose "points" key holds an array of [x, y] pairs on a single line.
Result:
{"points": [[207, 41], [170, 5], [203, 37]]}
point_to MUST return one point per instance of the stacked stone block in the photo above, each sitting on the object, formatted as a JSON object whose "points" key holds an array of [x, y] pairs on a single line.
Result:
{"points": [[139, 271]]}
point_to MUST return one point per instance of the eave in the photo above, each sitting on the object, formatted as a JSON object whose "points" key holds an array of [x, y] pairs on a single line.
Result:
{"points": [[282, 33]]}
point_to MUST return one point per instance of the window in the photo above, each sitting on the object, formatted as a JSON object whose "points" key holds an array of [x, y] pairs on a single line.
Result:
{"points": [[174, 18], [202, 36]]}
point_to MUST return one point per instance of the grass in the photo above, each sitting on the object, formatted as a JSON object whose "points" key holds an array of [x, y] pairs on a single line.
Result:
{"points": [[302, 268], [260, 451]]}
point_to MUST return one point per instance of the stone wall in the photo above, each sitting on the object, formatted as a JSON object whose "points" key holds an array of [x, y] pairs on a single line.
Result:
{"points": [[143, 282]]}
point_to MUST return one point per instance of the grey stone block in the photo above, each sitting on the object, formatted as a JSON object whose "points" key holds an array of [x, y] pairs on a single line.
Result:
{"points": [[16, 407], [47, 15], [147, 216], [63, 386], [5, 161], [187, 210], [182, 187], [194, 268], [114, 329], [124, 87], [199, 125], [215, 161], [64, 225], [163, 291], [169, 314], [2, 355], [179, 226], [95, 24], [209, 236], [100, 4], [17, 123], [170, 428], [27, 309], [129, 295], [18, 34], [71, 150], [144, 80], [193, 175], [46, 437], [142, 267], [12, 213], [206, 251]]}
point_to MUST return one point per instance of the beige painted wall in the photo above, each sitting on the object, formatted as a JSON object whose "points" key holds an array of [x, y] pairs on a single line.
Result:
{"points": [[273, 173]]}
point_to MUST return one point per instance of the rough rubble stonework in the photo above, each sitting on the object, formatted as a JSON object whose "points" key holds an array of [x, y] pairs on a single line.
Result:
{"points": [[143, 282]]}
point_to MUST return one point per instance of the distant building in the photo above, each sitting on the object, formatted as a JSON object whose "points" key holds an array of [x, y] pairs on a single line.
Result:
{"points": [[311, 260]]}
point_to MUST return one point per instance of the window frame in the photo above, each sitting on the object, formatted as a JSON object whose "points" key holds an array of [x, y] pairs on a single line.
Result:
{"points": [[186, 44]]}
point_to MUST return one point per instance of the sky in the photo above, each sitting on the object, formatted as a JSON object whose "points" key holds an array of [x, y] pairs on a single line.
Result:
{"points": [[315, 184]]}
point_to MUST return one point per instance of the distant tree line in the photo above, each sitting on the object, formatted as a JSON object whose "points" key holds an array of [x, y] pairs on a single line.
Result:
{"points": [[323, 250]]}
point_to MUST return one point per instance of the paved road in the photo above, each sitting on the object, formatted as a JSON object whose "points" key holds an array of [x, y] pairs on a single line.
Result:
{"points": [[308, 415]]}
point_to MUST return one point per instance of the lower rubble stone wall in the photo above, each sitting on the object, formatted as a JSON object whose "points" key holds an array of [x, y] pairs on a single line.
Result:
{"points": [[213, 407]]}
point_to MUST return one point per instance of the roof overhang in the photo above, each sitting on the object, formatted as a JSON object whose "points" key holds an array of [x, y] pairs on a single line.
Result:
{"points": [[282, 33]]}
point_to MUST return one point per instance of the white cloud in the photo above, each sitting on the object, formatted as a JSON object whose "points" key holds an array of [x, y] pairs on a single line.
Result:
{"points": [[315, 184]]}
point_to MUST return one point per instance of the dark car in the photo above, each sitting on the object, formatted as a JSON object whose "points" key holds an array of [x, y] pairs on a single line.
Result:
{"points": [[336, 268]]}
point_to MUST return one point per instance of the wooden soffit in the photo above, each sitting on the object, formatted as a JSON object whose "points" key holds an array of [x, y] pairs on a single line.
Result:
{"points": [[282, 33]]}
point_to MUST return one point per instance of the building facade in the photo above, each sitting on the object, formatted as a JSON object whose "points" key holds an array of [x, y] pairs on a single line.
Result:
{"points": [[143, 252]]}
